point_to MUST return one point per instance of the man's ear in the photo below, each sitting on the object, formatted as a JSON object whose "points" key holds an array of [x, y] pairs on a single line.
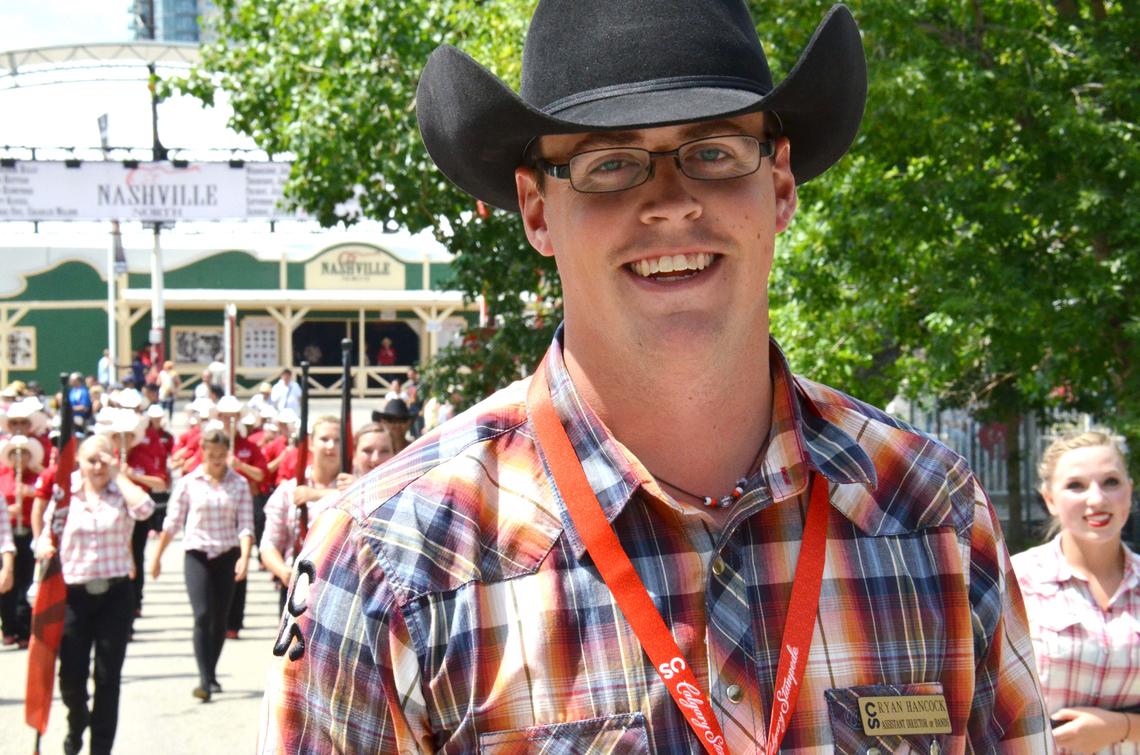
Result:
{"points": [[532, 206], [783, 184]]}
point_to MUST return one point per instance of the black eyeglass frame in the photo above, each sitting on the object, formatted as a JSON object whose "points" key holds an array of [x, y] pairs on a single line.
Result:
{"points": [[766, 148]]}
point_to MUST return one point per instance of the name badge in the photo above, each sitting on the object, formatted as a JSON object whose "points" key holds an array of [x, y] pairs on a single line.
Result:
{"points": [[903, 715]]}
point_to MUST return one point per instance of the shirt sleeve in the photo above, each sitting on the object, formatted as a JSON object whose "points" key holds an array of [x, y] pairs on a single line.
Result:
{"points": [[142, 510], [1008, 713], [244, 510], [177, 507], [346, 677], [45, 482], [276, 534]]}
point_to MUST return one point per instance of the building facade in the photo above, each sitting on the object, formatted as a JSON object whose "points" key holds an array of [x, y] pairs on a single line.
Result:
{"points": [[295, 296]]}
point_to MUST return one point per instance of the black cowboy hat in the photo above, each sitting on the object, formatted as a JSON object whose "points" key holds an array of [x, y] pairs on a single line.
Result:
{"points": [[396, 410], [604, 65]]}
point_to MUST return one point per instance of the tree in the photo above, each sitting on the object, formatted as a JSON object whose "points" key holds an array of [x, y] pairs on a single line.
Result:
{"points": [[978, 246], [981, 244], [333, 86]]}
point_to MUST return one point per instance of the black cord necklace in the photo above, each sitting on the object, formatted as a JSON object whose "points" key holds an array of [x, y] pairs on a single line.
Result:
{"points": [[725, 500]]}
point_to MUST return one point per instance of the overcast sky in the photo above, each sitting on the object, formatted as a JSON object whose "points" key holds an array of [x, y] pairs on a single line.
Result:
{"points": [[44, 23], [42, 114]]}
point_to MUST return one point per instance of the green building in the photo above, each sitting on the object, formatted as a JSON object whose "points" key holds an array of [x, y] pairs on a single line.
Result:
{"points": [[296, 293]]}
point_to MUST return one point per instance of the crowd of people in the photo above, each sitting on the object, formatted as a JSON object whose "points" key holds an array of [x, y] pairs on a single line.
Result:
{"points": [[231, 487]]}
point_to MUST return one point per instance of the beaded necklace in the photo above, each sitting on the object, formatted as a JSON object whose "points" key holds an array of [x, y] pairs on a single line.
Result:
{"points": [[725, 500]]}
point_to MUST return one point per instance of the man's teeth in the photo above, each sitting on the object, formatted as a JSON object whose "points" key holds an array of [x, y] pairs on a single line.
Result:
{"points": [[676, 263]]}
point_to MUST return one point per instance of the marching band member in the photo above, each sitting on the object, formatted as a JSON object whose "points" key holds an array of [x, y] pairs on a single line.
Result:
{"points": [[21, 460], [96, 560], [214, 506], [283, 511]]}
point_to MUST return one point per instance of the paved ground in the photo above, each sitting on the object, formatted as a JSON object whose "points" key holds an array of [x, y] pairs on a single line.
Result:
{"points": [[157, 715]]}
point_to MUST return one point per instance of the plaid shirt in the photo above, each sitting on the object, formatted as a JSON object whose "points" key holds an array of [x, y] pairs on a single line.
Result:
{"points": [[216, 515], [453, 607], [1085, 656], [96, 539], [281, 517]]}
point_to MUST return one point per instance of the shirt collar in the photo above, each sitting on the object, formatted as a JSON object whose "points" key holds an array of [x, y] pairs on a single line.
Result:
{"points": [[800, 441], [1057, 568]]}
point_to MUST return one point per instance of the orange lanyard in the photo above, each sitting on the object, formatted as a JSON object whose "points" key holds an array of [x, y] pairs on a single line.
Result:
{"points": [[620, 577]]}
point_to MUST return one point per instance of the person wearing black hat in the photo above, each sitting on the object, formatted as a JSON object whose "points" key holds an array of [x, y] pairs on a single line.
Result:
{"points": [[397, 419], [605, 558]]}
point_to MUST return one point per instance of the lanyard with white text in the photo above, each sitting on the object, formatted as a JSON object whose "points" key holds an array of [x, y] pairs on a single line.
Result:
{"points": [[616, 569]]}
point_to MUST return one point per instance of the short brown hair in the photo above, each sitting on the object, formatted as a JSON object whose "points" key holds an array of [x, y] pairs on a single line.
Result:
{"points": [[215, 437]]}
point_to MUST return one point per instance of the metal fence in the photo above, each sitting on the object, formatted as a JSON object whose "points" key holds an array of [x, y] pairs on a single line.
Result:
{"points": [[984, 446]]}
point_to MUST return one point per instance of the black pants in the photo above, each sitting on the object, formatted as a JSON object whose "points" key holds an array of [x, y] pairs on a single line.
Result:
{"points": [[139, 537], [15, 611], [235, 620], [210, 583], [104, 621]]}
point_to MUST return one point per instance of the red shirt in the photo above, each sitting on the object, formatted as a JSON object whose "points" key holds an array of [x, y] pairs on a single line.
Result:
{"points": [[145, 459], [274, 448], [247, 453], [45, 482], [188, 439], [159, 439], [8, 491], [287, 469]]}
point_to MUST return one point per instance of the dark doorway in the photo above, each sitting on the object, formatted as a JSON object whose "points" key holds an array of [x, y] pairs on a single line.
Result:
{"points": [[404, 341], [319, 342]]}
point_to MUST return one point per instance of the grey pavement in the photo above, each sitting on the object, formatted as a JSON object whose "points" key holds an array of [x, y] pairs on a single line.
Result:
{"points": [[157, 714]]}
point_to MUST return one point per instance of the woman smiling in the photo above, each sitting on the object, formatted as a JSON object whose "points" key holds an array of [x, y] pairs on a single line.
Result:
{"points": [[95, 553], [1082, 594]]}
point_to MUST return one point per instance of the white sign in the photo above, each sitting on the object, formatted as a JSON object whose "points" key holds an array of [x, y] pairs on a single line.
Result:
{"points": [[48, 190], [259, 344]]}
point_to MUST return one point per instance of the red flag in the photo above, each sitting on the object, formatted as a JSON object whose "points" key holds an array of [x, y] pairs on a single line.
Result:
{"points": [[51, 597]]}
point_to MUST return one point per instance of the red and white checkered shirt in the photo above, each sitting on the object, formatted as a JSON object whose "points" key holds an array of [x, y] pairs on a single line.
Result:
{"points": [[281, 517], [1085, 655], [96, 540], [215, 515]]}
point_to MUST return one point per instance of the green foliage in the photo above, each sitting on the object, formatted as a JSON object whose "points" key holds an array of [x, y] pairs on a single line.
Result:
{"points": [[979, 244]]}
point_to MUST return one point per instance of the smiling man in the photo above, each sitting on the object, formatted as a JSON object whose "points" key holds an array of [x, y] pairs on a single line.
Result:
{"points": [[615, 556]]}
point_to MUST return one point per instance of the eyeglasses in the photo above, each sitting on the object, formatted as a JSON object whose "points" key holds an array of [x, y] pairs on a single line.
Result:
{"points": [[713, 158]]}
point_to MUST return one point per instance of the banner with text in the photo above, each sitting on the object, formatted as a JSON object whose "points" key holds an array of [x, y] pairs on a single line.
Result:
{"points": [[43, 190]]}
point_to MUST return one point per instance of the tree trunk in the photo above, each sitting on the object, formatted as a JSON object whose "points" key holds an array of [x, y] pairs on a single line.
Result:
{"points": [[1015, 530]]}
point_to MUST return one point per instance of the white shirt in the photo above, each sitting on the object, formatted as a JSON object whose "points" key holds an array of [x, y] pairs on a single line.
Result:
{"points": [[286, 395]]}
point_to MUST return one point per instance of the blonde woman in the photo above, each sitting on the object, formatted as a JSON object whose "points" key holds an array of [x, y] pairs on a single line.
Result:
{"points": [[1082, 595], [95, 554]]}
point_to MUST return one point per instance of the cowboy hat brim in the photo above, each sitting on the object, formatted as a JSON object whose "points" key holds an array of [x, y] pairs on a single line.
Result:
{"points": [[476, 128], [30, 445]]}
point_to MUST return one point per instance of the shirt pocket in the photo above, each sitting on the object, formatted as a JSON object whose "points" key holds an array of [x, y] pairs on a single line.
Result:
{"points": [[1064, 647], [613, 734], [847, 725]]}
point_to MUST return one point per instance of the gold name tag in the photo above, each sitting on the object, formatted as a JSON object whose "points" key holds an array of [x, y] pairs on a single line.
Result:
{"points": [[910, 714]]}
